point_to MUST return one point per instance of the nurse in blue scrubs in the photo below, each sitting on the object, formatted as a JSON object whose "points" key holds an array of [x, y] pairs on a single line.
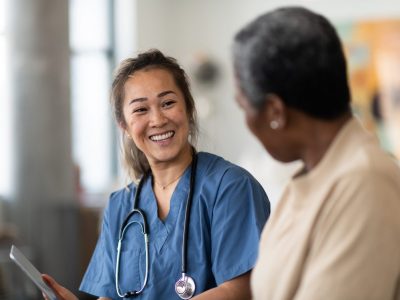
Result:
{"points": [[202, 215]]}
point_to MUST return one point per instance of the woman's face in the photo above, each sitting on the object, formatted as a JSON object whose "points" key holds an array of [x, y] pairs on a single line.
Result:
{"points": [[155, 114], [253, 118], [258, 121]]}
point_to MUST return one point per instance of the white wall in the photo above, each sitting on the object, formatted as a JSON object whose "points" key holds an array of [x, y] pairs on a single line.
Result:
{"points": [[186, 28]]}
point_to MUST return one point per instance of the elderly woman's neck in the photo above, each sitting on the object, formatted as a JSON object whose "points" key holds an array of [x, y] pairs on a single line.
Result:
{"points": [[320, 135]]}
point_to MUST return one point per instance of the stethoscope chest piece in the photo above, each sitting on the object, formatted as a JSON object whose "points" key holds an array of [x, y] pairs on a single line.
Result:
{"points": [[185, 287]]}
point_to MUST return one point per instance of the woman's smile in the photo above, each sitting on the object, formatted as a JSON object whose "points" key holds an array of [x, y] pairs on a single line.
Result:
{"points": [[161, 137], [156, 116]]}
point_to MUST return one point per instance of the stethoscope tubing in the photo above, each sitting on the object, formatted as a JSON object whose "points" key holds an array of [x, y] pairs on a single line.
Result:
{"points": [[123, 229], [144, 227], [187, 214], [125, 226]]}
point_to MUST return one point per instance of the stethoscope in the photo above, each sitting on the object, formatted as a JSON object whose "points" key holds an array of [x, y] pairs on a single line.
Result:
{"points": [[185, 286]]}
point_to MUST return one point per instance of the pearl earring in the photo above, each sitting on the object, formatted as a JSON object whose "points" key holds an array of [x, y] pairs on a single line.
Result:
{"points": [[274, 124]]}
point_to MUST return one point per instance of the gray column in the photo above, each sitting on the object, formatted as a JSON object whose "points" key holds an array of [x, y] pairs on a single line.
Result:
{"points": [[44, 198]]}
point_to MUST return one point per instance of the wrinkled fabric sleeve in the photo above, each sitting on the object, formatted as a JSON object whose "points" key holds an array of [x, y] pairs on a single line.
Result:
{"points": [[239, 214], [99, 279]]}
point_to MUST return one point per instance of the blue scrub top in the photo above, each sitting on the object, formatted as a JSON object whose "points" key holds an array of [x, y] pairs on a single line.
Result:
{"points": [[229, 210]]}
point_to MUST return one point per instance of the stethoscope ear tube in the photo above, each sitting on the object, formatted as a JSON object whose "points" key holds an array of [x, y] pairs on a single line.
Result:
{"points": [[119, 246], [123, 229], [187, 214], [185, 286]]}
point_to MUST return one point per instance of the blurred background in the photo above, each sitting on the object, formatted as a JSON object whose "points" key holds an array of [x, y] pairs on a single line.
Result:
{"points": [[59, 148]]}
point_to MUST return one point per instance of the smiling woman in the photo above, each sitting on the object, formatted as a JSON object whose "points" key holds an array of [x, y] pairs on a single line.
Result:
{"points": [[167, 236], [157, 122], [131, 91], [156, 119]]}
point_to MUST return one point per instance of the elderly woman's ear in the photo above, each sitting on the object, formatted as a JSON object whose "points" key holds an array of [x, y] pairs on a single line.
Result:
{"points": [[275, 111]]}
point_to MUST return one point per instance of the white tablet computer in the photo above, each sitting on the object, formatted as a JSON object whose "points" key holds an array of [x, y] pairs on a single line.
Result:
{"points": [[17, 256]]}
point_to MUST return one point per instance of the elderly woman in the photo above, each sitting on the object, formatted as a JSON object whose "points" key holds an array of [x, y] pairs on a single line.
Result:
{"points": [[335, 233], [191, 226]]}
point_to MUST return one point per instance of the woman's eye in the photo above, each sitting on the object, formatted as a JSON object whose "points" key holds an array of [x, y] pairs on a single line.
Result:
{"points": [[168, 103], [139, 110]]}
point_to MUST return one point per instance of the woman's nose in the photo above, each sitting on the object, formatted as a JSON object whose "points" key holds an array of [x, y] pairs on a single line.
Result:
{"points": [[157, 118]]}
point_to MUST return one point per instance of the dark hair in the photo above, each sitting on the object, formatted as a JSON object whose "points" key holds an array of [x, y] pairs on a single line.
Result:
{"points": [[297, 55], [135, 161]]}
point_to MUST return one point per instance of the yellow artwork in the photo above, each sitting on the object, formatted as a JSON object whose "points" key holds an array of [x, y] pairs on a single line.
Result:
{"points": [[373, 52]]}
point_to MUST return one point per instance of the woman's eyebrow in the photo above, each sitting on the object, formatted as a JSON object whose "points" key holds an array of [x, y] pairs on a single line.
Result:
{"points": [[142, 99], [137, 100], [165, 93]]}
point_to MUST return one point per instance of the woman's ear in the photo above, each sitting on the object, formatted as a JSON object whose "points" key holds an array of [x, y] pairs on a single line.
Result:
{"points": [[276, 112], [122, 126]]}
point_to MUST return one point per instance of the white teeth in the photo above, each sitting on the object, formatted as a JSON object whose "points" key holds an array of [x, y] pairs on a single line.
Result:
{"points": [[160, 137]]}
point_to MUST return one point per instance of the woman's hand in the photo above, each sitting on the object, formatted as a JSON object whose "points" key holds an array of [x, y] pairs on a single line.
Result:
{"points": [[61, 292]]}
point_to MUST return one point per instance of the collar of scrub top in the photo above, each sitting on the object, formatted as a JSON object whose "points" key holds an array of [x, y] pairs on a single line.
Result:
{"points": [[185, 286]]}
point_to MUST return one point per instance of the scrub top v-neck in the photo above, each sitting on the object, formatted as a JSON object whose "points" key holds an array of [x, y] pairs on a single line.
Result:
{"points": [[228, 205]]}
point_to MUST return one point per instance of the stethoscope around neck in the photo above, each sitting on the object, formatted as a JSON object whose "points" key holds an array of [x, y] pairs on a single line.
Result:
{"points": [[185, 286]]}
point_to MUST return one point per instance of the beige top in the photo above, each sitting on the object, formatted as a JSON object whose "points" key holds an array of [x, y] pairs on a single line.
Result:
{"points": [[335, 233]]}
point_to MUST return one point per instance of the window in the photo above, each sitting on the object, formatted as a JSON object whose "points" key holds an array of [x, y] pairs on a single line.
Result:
{"points": [[91, 48], [5, 110]]}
